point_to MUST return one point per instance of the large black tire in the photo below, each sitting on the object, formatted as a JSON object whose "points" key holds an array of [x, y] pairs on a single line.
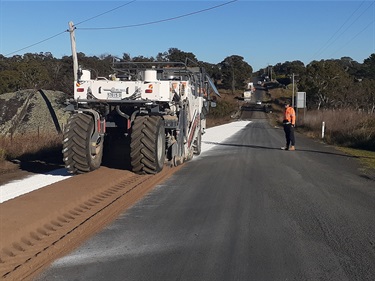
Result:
{"points": [[147, 146], [77, 153]]}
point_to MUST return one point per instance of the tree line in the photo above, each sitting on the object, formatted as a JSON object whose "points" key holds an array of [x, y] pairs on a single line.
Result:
{"points": [[332, 84], [44, 71]]}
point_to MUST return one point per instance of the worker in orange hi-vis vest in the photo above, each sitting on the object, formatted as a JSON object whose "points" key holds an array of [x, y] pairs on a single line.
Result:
{"points": [[289, 123]]}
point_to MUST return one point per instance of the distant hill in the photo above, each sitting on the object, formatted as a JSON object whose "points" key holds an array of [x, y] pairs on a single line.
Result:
{"points": [[28, 111]]}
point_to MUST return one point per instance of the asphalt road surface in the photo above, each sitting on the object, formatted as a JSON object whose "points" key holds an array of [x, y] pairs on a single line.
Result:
{"points": [[245, 210]]}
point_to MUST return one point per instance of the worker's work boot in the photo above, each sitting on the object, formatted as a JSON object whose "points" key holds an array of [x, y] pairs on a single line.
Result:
{"points": [[292, 148]]}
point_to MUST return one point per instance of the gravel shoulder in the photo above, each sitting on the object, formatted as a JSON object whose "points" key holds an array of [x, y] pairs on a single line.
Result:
{"points": [[40, 226]]}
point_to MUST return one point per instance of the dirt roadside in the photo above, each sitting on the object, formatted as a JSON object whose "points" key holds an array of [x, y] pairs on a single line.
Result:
{"points": [[38, 227], [11, 171]]}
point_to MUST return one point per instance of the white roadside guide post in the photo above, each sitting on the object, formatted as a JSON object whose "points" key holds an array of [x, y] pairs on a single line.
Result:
{"points": [[323, 128]]}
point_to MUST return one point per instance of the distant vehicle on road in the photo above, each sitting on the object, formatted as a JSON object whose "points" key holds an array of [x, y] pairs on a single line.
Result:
{"points": [[259, 102], [248, 93]]}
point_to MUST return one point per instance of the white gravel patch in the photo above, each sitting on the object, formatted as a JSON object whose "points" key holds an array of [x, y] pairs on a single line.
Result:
{"points": [[18, 187], [212, 137], [219, 134]]}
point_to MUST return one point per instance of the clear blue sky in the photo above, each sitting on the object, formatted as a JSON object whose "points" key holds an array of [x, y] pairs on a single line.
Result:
{"points": [[262, 32]]}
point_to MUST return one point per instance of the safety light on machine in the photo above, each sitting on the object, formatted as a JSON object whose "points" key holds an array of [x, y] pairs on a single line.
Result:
{"points": [[149, 90]]}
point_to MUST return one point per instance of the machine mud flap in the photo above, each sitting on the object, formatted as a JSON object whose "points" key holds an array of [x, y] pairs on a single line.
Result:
{"points": [[177, 160], [95, 142]]}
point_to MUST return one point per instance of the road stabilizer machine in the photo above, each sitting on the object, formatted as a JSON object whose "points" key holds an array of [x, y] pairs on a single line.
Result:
{"points": [[160, 106]]}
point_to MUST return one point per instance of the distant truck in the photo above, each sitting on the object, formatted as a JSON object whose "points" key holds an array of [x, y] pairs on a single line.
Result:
{"points": [[248, 93]]}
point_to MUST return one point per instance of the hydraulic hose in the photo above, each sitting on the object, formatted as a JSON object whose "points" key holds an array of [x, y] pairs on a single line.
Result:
{"points": [[118, 110]]}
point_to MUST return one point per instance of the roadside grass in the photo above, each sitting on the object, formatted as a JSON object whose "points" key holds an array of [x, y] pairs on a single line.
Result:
{"points": [[346, 128], [28, 147], [367, 158], [227, 106]]}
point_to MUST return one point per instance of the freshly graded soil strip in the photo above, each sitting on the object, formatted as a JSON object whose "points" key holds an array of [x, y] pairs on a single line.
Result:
{"points": [[38, 227]]}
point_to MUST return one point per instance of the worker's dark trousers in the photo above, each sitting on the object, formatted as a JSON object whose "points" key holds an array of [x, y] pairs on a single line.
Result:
{"points": [[289, 134]]}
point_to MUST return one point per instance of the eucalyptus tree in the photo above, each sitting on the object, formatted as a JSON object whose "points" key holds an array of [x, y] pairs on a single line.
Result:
{"points": [[327, 84], [368, 67], [235, 71]]}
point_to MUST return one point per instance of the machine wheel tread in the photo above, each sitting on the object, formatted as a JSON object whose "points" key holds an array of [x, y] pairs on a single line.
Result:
{"points": [[77, 145], [147, 148]]}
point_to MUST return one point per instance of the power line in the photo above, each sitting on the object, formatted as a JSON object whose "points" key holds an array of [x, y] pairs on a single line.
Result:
{"points": [[51, 37], [158, 21], [358, 32], [119, 27], [94, 17], [355, 36], [327, 44], [354, 21], [37, 43]]}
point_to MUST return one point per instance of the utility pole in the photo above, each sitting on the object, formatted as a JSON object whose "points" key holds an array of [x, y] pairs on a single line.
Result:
{"points": [[271, 73], [293, 92], [232, 80], [74, 51]]}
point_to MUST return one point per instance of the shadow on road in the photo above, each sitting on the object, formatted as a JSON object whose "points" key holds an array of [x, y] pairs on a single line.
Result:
{"points": [[296, 151]]}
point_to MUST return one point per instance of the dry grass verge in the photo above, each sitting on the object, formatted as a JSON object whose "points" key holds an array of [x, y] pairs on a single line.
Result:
{"points": [[28, 147], [367, 158], [346, 128]]}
